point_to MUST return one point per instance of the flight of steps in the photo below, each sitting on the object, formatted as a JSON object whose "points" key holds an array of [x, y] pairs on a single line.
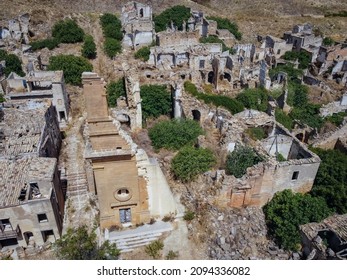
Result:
{"points": [[76, 184], [128, 240]]}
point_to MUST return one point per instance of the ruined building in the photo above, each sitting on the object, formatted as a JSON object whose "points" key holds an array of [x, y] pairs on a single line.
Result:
{"points": [[41, 85], [31, 196], [130, 186], [137, 25]]}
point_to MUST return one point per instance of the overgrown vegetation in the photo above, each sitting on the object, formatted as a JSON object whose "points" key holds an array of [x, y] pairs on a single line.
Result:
{"points": [[331, 179], [176, 14], [327, 41], [89, 47], [256, 98], [287, 211], [256, 133], [189, 215], [308, 114], [190, 162], [336, 118], [283, 118], [73, 67], [228, 103], [143, 53], [224, 23], [154, 249], [212, 39], [13, 63], [156, 101], [114, 90], [67, 31], [303, 57], [174, 134], [112, 30], [338, 14], [50, 43], [80, 244], [240, 159], [171, 255]]}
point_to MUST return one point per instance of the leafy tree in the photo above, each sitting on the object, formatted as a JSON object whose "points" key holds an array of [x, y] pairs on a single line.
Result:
{"points": [[303, 57], [327, 41], [110, 19], [212, 39], [68, 31], [143, 53], [13, 63], [227, 102], [73, 67], [240, 159], [89, 47], [50, 43], [112, 47], [176, 14], [287, 211], [224, 23], [256, 98], [111, 31], [174, 134], [190, 162], [334, 195], [308, 114], [79, 244], [156, 101], [114, 90], [283, 119], [299, 98], [336, 118]]}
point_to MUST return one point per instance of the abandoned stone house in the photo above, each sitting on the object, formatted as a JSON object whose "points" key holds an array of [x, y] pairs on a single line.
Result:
{"points": [[325, 240], [31, 196], [118, 173], [137, 25], [41, 85]]}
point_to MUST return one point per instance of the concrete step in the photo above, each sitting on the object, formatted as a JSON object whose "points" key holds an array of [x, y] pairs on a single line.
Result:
{"points": [[137, 238]]}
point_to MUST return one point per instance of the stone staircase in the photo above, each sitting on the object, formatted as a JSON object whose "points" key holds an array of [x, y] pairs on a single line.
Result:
{"points": [[76, 184], [128, 240]]}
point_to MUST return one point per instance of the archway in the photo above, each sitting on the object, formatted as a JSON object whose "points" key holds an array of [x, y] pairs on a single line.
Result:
{"points": [[196, 115], [210, 77]]}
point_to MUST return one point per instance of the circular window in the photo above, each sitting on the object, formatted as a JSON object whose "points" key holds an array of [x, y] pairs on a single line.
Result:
{"points": [[122, 194]]}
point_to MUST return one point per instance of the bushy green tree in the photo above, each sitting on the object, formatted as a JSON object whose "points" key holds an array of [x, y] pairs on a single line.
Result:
{"points": [[224, 23], [308, 114], [240, 159], [114, 90], [80, 244], [174, 134], [190, 162], [67, 31], [111, 31], [13, 63], [176, 14], [112, 47], [73, 67], [156, 101], [283, 119], [287, 211], [327, 41], [303, 57], [50, 43], [143, 53], [89, 47], [256, 98], [110, 19]]}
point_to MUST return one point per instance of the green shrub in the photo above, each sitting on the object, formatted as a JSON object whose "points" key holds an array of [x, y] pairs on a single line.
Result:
{"points": [[112, 47], [229, 103], [156, 101], [190, 162], [2, 98], [280, 157], [287, 211], [336, 118], [240, 159], [89, 47], [256, 133], [111, 31], [287, 68], [114, 90], [212, 39], [327, 41], [110, 19], [283, 119], [256, 98], [171, 255], [189, 215], [73, 67], [174, 134], [143, 53], [153, 249], [176, 14], [46, 43], [303, 57], [309, 115], [224, 23], [67, 31], [13, 63]]}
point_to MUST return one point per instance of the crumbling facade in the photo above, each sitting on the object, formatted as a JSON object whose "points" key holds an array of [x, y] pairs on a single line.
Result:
{"points": [[137, 25], [41, 85], [31, 196]]}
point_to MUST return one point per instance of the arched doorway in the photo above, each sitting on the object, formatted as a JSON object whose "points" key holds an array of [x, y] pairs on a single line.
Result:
{"points": [[196, 115]]}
